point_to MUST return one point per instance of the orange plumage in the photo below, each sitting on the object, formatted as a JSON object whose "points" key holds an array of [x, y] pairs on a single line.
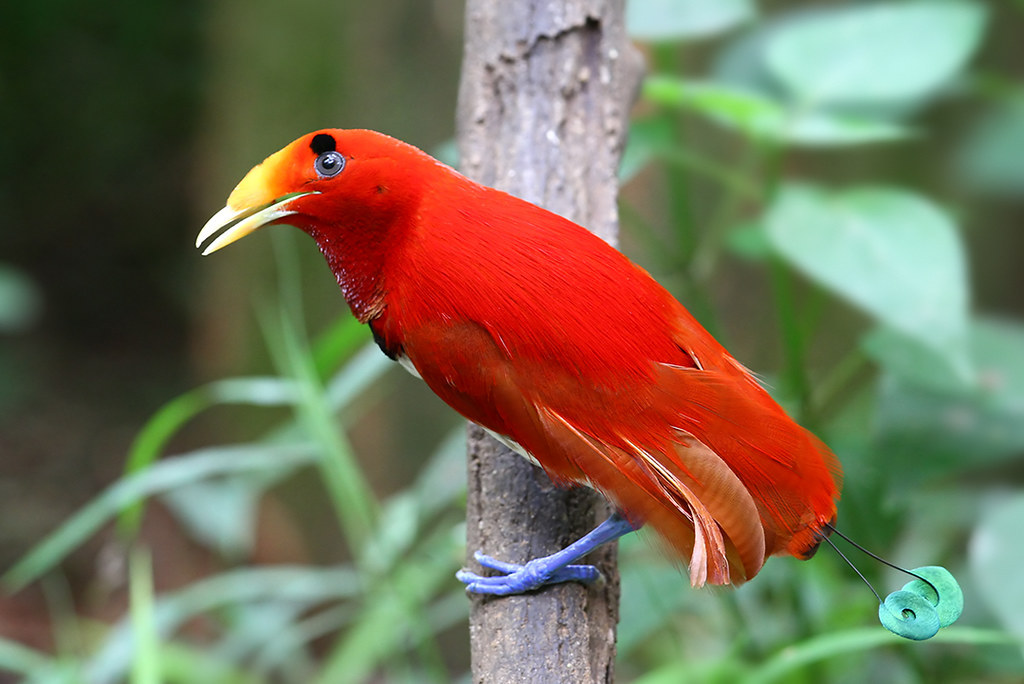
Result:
{"points": [[529, 325]]}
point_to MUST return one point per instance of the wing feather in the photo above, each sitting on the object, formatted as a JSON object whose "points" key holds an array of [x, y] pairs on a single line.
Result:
{"points": [[700, 453]]}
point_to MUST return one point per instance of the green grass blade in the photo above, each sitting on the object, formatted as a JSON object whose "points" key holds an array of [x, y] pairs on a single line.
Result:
{"points": [[146, 658], [363, 370], [169, 419], [306, 585], [346, 485], [337, 343], [183, 664], [160, 477], [20, 659], [415, 554], [165, 423], [392, 614], [834, 644]]}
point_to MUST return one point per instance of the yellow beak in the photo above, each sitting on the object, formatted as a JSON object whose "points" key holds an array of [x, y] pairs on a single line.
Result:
{"points": [[237, 223]]}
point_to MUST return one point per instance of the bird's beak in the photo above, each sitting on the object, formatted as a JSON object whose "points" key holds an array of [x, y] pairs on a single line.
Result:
{"points": [[237, 223], [254, 203]]}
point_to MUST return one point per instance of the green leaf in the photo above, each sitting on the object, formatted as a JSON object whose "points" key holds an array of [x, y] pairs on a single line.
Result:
{"points": [[880, 51], [891, 253], [990, 159], [958, 428], [748, 240], [735, 107], [20, 300], [820, 128], [915, 362], [996, 557], [647, 138], [221, 513], [760, 117], [662, 20], [741, 61]]}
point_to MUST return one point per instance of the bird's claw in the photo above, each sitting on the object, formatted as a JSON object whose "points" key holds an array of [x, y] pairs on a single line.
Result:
{"points": [[518, 579]]}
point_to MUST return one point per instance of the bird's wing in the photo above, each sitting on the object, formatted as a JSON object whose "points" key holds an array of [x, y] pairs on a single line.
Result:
{"points": [[654, 471]]}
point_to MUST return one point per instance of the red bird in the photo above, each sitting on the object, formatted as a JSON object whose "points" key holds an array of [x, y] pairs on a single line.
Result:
{"points": [[539, 331]]}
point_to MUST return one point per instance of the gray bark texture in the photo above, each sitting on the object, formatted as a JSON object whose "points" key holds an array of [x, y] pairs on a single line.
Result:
{"points": [[543, 108]]}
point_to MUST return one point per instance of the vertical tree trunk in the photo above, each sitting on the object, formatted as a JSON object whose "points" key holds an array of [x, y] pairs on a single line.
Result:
{"points": [[543, 105]]}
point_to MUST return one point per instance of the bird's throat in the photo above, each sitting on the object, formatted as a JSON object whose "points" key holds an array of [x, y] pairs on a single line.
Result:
{"points": [[359, 272]]}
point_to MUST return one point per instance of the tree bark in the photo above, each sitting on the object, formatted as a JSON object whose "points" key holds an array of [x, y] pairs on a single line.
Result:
{"points": [[543, 104]]}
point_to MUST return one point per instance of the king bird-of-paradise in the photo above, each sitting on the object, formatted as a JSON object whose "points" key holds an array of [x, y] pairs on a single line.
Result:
{"points": [[556, 343]]}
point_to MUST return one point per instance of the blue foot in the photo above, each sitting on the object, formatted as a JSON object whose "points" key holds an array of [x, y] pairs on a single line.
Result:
{"points": [[553, 569], [519, 579]]}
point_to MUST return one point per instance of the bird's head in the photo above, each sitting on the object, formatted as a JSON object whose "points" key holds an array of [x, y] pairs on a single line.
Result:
{"points": [[325, 182]]}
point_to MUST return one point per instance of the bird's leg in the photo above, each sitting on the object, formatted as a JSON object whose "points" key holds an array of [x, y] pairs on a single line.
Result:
{"points": [[552, 569]]}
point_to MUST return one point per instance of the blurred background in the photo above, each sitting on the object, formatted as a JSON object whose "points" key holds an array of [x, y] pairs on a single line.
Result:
{"points": [[835, 189]]}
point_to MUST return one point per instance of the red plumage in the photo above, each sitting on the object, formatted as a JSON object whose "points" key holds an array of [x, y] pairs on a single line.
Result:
{"points": [[531, 326]]}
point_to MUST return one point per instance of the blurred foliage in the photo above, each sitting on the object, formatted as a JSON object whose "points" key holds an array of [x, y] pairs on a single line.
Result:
{"points": [[111, 93], [777, 162], [814, 182]]}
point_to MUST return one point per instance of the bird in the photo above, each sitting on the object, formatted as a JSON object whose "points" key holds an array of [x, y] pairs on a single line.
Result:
{"points": [[529, 325]]}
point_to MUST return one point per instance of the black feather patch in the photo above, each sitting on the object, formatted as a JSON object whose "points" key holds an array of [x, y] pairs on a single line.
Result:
{"points": [[392, 351], [322, 143]]}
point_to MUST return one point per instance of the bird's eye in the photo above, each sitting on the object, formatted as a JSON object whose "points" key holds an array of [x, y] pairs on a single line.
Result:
{"points": [[329, 164]]}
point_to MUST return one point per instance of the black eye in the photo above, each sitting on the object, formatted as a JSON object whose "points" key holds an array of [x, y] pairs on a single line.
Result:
{"points": [[329, 164]]}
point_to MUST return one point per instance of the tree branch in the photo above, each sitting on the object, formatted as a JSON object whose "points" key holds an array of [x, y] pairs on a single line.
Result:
{"points": [[543, 107]]}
